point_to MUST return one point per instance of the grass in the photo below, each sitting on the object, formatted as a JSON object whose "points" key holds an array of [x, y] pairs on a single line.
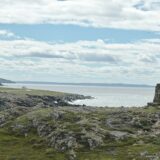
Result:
{"points": [[131, 152], [18, 147], [25, 148], [24, 91], [34, 148]]}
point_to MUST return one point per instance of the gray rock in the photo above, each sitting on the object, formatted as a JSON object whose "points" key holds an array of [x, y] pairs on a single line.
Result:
{"points": [[118, 134], [72, 155], [145, 153], [157, 94]]}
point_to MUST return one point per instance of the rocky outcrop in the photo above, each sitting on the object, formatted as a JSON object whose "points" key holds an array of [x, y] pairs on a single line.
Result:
{"points": [[157, 94], [74, 130], [8, 100], [156, 100], [68, 129]]}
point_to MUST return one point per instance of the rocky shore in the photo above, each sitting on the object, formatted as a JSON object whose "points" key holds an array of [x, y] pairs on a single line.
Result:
{"points": [[7, 100], [34, 126]]}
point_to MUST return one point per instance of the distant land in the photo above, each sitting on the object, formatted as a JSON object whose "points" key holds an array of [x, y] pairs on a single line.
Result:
{"points": [[88, 84], [5, 81]]}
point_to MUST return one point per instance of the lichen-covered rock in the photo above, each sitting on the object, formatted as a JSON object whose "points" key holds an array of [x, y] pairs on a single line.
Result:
{"points": [[2, 119], [61, 140]]}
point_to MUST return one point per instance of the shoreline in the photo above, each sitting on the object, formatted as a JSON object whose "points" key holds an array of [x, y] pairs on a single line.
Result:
{"points": [[66, 98], [68, 132], [102, 96]]}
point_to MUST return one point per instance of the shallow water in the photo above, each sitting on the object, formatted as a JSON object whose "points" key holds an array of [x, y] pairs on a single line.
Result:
{"points": [[104, 96]]}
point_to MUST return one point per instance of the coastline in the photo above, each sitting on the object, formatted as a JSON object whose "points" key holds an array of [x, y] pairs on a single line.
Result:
{"points": [[69, 132], [103, 96], [53, 96]]}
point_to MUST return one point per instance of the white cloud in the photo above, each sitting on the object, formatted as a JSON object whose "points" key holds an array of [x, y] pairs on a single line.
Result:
{"points": [[98, 61], [132, 14], [6, 33]]}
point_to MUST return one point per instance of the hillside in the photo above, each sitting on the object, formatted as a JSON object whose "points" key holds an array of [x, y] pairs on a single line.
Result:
{"points": [[5, 81], [37, 125]]}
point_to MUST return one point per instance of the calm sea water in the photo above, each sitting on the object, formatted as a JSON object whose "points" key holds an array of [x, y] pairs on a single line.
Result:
{"points": [[104, 96]]}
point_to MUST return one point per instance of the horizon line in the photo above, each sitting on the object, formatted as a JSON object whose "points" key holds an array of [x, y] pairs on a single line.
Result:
{"points": [[87, 83]]}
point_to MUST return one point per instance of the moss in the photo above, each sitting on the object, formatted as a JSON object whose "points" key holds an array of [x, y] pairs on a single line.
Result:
{"points": [[40, 114], [70, 117], [120, 153], [22, 148], [24, 120], [94, 156], [73, 127]]}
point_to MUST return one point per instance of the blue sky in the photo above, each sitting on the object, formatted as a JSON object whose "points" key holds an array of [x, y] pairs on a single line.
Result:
{"points": [[80, 41], [73, 33]]}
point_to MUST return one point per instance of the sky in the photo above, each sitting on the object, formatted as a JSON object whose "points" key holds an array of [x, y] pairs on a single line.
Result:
{"points": [[91, 41]]}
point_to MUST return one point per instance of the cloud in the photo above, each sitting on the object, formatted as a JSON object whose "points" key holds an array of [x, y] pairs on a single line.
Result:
{"points": [[99, 61], [132, 14], [148, 5], [6, 33], [83, 51]]}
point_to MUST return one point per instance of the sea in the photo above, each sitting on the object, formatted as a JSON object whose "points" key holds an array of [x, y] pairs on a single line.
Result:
{"points": [[104, 96]]}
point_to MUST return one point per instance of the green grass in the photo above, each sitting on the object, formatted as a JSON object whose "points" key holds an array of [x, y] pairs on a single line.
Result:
{"points": [[34, 148], [25, 148], [24, 91], [130, 152]]}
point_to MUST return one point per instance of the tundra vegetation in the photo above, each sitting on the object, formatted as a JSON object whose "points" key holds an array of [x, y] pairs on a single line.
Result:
{"points": [[38, 125]]}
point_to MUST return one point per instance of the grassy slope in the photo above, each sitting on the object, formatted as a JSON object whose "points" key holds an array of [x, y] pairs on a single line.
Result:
{"points": [[22, 148], [13, 147], [32, 147]]}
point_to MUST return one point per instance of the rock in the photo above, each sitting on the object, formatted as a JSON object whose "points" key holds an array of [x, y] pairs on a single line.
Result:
{"points": [[73, 97], [157, 94], [2, 119], [61, 140], [145, 153], [92, 139], [155, 158], [118, 134], [20, 129], [140, 142], [71, 155], [8, 100], [44, 129], [156, 100], [57, 115]]}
